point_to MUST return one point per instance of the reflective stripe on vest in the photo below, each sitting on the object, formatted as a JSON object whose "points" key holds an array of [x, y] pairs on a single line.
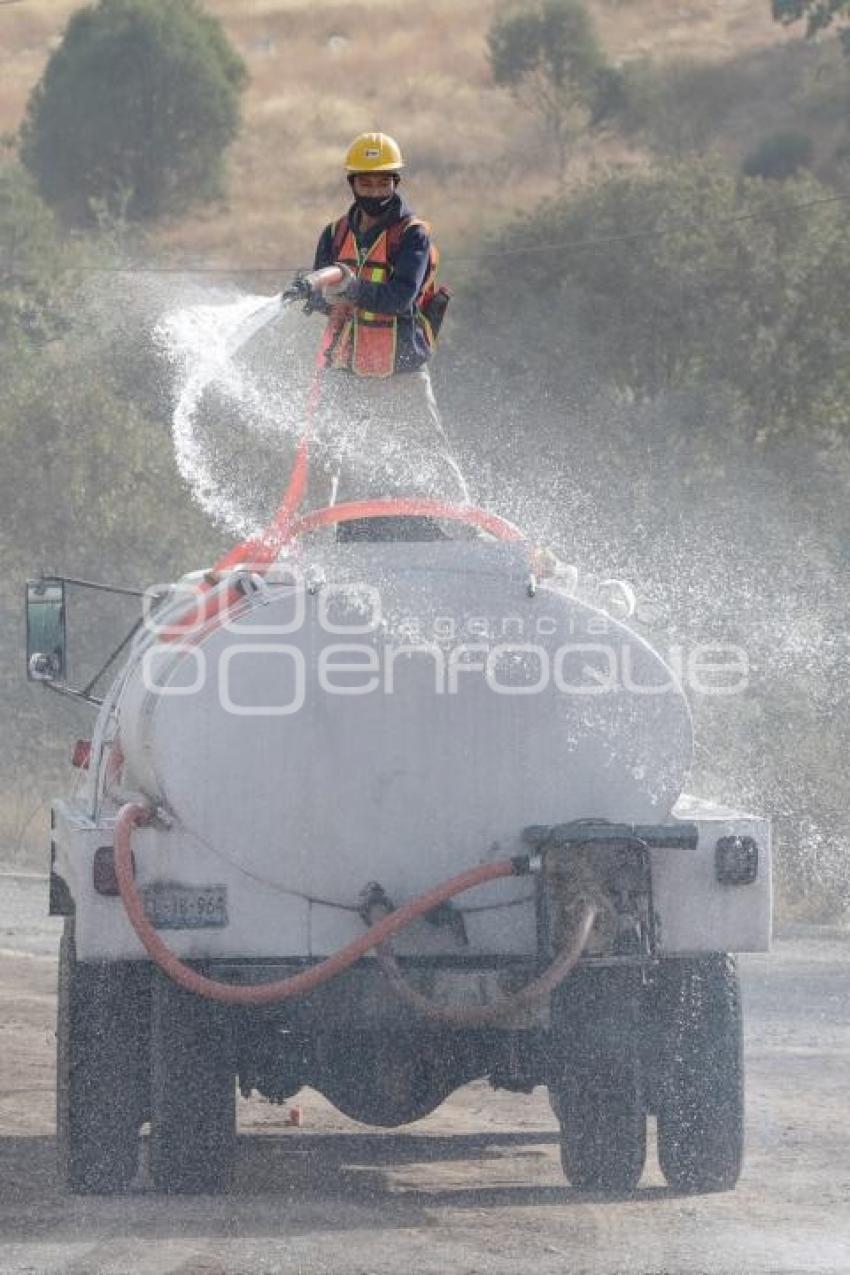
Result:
{"points": [[361, 340]]}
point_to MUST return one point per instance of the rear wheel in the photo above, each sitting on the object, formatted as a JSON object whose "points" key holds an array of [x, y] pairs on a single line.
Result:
{"points": [[101, 1071], [193, 1091], [701, 1081], [596, 1089]]}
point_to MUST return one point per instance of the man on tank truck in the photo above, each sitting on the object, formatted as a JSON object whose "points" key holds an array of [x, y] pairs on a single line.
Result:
{"points": [[375, 403]]}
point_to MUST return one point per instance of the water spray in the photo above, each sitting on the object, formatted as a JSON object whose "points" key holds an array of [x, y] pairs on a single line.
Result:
{"points": [[302, 288]]}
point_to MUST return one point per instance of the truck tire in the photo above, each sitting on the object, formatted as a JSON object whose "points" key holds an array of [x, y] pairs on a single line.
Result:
{"points": [[193, 1092], [596, 1090], [101, 1072], [701, 1085]]}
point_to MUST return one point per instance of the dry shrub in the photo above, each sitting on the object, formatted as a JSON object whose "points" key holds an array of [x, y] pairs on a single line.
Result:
{"points": [[664, 29]]}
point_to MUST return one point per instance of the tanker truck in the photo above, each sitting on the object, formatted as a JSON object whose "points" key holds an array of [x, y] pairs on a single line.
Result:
{"points": [[384, 813]]}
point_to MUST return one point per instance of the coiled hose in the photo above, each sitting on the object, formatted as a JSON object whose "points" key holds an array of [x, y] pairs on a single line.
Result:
{"points": [[133, 814]]}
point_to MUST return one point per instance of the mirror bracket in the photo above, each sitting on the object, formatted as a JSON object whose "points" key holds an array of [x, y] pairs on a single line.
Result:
{"points": [[47, 636]]}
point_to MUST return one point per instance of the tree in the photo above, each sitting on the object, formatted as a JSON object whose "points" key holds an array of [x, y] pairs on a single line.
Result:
{"points": [[693, 277], [30, 282], [819, 14], [547, 54], [134, 111], [779, 156]]}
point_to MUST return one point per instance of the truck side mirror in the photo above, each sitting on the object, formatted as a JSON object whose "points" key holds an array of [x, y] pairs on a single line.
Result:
{"points": [[46, 630]]}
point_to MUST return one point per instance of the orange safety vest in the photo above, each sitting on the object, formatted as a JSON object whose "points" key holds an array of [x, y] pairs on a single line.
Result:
{"points": [[362, 341]]}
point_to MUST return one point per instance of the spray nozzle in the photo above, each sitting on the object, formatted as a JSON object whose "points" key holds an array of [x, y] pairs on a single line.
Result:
{"points": [[298, 290], [310, 287]]}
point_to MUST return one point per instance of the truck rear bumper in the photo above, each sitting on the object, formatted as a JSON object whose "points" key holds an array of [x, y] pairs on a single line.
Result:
{"points": [[694, 910]]}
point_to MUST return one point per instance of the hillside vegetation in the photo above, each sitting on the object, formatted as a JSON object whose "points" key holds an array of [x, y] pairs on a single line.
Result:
{"points": [[321, 72]]}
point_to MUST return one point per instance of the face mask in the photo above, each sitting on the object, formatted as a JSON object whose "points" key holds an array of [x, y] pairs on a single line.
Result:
{"points": [[372, 205]]}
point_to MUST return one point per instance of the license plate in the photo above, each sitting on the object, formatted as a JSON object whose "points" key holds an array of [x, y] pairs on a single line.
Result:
{"points": [[172, 906]]}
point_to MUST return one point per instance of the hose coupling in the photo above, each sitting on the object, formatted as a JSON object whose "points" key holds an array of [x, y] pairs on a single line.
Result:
{"points": [[525, 865]]}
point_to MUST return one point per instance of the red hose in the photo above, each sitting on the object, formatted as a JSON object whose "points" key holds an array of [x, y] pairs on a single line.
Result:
{"points": [[132, 814], [284, 527], [262, 550], [406, 507]]}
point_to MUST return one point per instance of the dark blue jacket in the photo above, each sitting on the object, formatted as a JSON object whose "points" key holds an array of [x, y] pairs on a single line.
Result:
{"points": [[399, 293]]}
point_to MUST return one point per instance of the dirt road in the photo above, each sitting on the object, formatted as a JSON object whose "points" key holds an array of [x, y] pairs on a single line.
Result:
{"points": [[476, 1187]]}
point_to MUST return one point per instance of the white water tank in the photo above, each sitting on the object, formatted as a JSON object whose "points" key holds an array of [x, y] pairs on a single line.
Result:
{"points": [[403, 717]]}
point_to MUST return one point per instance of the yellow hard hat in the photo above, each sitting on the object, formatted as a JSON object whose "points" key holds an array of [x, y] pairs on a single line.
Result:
{"points": [[374, 153]]}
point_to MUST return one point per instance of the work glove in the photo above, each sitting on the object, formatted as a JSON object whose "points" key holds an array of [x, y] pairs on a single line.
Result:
{"points": [[315, 303]]}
